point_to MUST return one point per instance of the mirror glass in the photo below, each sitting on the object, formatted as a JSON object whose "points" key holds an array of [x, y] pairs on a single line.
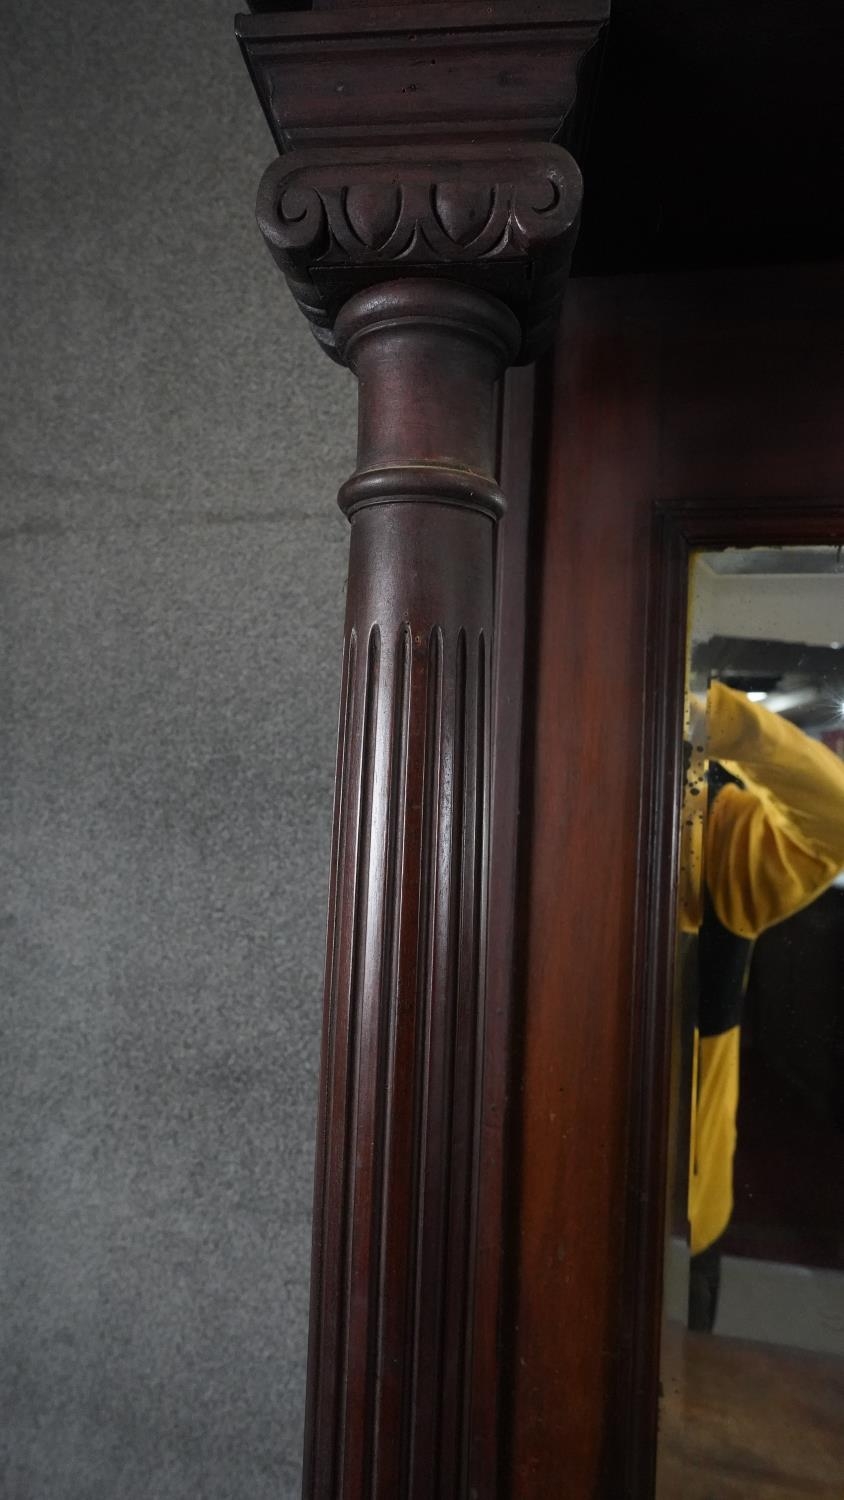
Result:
{"points": [[752, 1360]]}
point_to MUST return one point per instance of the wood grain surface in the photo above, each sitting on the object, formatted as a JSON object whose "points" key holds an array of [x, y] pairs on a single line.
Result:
{"points": [[685, 411]]}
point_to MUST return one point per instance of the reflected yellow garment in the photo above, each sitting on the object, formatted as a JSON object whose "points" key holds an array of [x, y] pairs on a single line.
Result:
{"points": [[769, 848], [715, 1090]]}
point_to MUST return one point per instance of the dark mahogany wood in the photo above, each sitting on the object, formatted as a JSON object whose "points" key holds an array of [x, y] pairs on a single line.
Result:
{"points": [[522, 440], [424, 219], [470, 70], [493, 1098], [424, 140], [396, 1223], [502, 218], [716, 134], [685, 412]]}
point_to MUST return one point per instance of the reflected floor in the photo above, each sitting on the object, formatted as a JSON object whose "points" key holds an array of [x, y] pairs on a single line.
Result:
{"points": [[748, 1421]]}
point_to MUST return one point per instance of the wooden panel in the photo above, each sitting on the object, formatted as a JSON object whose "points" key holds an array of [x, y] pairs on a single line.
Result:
{"points": [[711, 397], [581, 893]]}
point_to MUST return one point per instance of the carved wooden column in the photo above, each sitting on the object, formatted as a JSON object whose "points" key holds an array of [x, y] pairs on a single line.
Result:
{"points": [[425, 224], [396, 1180]]}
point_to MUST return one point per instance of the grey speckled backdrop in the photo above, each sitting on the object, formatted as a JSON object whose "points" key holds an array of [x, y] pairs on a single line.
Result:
{"points": [[172, 593]]}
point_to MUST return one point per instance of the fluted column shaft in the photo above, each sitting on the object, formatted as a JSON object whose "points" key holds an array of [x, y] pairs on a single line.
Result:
{"points": [[390, 1369]]}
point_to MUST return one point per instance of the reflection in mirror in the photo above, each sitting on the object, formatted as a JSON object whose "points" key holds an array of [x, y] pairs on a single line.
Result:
{"points": [[752, 1363]]}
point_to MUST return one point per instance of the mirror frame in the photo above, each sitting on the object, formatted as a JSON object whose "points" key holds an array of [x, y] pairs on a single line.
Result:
{"points": [[680, 529]]}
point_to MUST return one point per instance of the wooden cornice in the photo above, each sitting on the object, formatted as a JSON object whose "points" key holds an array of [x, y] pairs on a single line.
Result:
{"points": [[483, 70]]}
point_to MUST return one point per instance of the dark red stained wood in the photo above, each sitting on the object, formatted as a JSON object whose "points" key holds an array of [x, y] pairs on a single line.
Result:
{"points": [[396, 1275], [684, 412], [424, 140], [486, 1268], [474, 70], [429, 271], [491, 1380], [502, 218]]}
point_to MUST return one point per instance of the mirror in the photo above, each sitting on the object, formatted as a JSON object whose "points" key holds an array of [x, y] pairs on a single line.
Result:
{"points": [[752, 1359]]}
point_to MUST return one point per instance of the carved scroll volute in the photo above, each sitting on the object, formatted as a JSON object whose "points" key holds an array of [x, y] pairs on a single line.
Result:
{"points": [[500, 217], [389, 1408]]}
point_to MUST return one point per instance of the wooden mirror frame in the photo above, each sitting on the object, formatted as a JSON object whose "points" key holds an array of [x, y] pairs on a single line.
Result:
{"points": [[428, 241], [681, 529], [676, 403]]}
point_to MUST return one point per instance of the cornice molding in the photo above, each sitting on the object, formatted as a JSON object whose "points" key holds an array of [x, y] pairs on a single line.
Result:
{"points": [[433, 72]]}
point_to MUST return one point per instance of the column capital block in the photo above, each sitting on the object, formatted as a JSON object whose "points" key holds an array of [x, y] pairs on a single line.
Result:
{"points": [[424, 141]]}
